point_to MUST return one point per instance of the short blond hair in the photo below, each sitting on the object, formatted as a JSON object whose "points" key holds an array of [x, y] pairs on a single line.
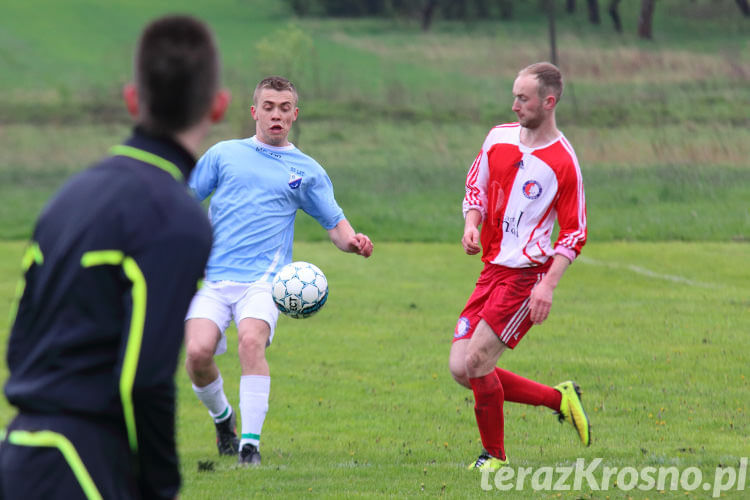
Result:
{"points": [[549, 77], [276, 83]]}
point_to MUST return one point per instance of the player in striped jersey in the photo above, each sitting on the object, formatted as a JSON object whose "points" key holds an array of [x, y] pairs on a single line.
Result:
{"points": [[525, 177]]}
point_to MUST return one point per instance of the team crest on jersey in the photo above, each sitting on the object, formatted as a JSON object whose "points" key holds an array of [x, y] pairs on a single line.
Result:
{"points": [[532, 190], [294, 180]]}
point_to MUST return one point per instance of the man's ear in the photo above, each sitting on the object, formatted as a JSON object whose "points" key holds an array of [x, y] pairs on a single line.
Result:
{"points": [[549, 102], [130, 95], [219, 106]]}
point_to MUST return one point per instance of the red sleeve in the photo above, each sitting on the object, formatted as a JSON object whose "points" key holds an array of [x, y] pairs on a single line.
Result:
{"points": [[570, 202], [571, 208]]}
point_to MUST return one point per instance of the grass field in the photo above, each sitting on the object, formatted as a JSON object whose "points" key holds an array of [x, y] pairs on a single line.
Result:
{"points": [[652, 321], [362, 404]]}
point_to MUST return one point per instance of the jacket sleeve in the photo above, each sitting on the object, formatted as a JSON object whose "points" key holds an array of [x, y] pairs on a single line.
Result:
{"points": [[164, 276]]}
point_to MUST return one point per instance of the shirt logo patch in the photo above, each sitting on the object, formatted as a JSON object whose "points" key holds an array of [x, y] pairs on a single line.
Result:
{"points": [[532, 190], [294, 180]]}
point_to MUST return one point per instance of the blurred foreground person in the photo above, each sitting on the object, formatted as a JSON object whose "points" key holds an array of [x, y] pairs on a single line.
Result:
{"points": [[115, 258]]}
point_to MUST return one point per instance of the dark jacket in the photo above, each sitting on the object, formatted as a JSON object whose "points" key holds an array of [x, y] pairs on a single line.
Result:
{"points": [[114, 261]]}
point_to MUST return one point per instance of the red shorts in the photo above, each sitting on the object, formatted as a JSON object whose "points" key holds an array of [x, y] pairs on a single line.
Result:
{"points": [[501, 298]]}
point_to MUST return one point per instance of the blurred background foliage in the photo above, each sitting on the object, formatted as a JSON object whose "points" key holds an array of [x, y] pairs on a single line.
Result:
{"points": [[396, 110]]}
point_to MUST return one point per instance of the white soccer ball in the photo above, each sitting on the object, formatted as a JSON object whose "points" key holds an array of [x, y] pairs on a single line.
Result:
{"points": [[300, 289]]}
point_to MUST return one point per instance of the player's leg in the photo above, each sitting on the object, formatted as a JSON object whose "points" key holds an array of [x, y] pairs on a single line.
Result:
{"points": [[482, 353], [208, 318], [255, 385], [525, 391], [564, 399], [201, 338], [256, 316], [457, 362], [465, 326], [507, 312]]}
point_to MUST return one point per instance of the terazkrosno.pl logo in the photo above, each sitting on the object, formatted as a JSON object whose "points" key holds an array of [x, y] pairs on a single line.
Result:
{"points": [[595, 477]]}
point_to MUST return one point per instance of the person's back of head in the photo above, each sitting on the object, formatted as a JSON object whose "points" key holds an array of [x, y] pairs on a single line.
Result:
{"points": [[176, 74]]}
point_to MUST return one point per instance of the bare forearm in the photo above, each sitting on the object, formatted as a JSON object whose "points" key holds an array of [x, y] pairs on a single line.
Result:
{"points": [[341, 235], [346, 240], [559, 264]]}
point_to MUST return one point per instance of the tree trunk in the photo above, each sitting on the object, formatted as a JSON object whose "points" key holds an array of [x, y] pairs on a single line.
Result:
{"points": [[552, 36], [428, 13], [570, 6], [593, 6], [744, 7], [645, 19], [615, 15], [506, 9], [482, 11]]}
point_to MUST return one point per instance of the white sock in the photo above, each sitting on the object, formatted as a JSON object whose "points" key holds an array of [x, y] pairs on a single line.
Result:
{"points": [[212, 396], [254, 391]]}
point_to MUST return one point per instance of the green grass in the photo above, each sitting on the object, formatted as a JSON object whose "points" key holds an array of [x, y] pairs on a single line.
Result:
{"points": [[651, 321], [403, 181], [362, 403]]}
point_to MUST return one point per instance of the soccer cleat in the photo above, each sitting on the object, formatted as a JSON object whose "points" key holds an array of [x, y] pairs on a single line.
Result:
{"points": [[226, 436], [488, 462], [571, 410], [249, 455]]}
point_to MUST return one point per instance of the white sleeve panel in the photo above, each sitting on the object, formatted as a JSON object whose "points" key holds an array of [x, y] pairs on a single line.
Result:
{"points": [[476, 182]]}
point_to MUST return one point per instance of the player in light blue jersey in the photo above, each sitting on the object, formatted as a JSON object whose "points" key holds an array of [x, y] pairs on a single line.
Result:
{"points": [[258, 184]]}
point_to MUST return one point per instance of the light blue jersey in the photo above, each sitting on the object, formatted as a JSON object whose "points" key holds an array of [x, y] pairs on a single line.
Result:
{"points": [[257, 190]]}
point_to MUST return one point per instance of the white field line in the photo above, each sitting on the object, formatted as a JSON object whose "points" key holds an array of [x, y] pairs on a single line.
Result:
{"points": [[648, 273]]}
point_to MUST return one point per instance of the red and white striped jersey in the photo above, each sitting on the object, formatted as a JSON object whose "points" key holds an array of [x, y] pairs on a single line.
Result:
{"points": [[520, 191]]}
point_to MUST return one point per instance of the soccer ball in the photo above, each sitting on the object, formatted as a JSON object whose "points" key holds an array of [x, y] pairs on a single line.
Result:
{"points": [[299, 289]]}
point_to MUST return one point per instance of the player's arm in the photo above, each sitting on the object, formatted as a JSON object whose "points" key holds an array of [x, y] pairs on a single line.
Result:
{"points": [[540, 301], [470, 239], [205, 176], [571, 216], [475, 201], [343, 236]]}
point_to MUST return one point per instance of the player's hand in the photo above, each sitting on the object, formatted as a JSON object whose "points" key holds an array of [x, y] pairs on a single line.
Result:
{"points": [[540, 303], [361, 245], [470, 241]]}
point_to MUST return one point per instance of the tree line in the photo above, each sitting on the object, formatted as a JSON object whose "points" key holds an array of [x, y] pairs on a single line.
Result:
{"points": [[426, 11]]}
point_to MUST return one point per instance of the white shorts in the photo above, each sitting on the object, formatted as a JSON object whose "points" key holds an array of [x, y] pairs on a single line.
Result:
{"points": [[221, 301]]}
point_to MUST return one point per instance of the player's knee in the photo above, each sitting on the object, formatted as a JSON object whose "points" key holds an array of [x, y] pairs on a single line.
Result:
{"points": [[198, 355], [253, 345], [458, 371], [475, 362], [461, 377]]}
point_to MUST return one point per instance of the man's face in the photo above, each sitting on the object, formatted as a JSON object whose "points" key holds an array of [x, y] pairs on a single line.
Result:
{"points": [[527, 104], [273, 114]]}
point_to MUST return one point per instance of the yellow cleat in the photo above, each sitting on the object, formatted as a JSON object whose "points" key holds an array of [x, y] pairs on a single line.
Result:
{"points": [[571, 410], [488, 462]]}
